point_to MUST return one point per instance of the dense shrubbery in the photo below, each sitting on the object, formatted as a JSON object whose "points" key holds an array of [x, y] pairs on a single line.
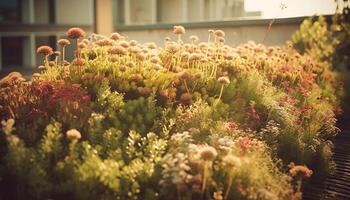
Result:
{"points": [[194, 120]]}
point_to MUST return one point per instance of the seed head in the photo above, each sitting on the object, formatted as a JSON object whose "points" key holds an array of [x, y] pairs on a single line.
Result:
{"points": [[63, 42], [75, 33], [141, 56], [221, 39], [52, 63], [56, 53], [151, 45], [219, 33], [300, 171], [41, 67], [125, 44], [172, 47], [194, 38], [104, 42], [136, 77], [208, 153], [144, 90], [186, 98], [119, 50], [194, 56], [178, 30], [133, 42], [224, 80], [155, 59], [183, 75], [73, 134], [45, 50], [115, 36]]}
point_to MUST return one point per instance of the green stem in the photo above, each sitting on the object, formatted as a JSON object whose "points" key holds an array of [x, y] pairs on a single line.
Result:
{"points": [[204, 180], [217, 101], [78, 55], [63, 51], [186, 86], [229, 185], [46, 61]]}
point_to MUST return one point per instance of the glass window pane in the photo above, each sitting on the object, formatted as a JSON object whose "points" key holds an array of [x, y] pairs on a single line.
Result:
{"points": [[11, 47], [9, 11]]}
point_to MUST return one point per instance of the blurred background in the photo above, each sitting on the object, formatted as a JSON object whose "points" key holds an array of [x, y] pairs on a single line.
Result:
{"points": [[27, 24]]}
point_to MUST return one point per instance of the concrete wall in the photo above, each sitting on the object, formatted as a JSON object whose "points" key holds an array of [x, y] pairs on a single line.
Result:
{"points": [[171, 10], [73, 12], [41, 11], [235, 35]]}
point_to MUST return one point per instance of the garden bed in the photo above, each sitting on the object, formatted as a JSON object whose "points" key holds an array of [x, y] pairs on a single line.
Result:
{"points": [[190, 120]]}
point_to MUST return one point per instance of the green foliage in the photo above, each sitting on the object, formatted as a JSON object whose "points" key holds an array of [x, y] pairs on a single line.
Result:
{"points": [[126, 120]]}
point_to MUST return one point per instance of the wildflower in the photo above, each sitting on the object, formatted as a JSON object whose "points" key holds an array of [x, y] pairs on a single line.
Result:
{"points": [[172, 47], [63, 42], [79, 62], [178, 30], [221, 39], [208, 153], [141, 56], [151, 45], [224, 80], [115, 36], [194, 57], [133, 42], [155, 60], [75, 33], [119, 50], [183, 75], [103, 42], [7, 126], [194, 38], [73, 134], [41, 67], [136, 77], [45, 50], [186, 98], [125, 44], [185, 55], [218, 195], [300, 171], [245, 143], [52, 63], [144, 90], [219, 33], [56, 53]]}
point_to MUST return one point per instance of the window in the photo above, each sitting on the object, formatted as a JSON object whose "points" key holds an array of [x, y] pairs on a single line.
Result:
{"points": [[11, 50], [137, 12], [9, 11]]}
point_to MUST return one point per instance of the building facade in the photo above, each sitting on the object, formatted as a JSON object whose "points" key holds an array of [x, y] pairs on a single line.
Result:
{"points": [[27, 24]]}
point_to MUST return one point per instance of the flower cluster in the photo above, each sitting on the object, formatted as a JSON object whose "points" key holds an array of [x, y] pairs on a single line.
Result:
{"points": [[189, 120]]}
